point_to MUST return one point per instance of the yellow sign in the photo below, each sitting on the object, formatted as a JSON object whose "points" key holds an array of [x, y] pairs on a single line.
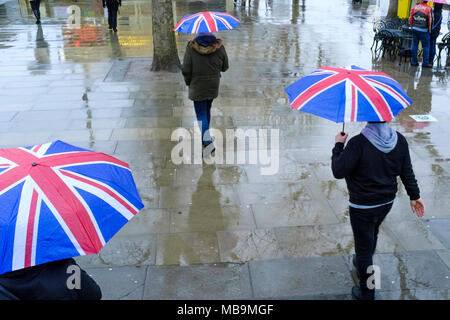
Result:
{"points": [[404, 7]]}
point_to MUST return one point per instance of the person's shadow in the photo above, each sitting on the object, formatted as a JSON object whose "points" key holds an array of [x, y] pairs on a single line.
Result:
{"points": [[203, 218], [41, 54], [115, 45]]}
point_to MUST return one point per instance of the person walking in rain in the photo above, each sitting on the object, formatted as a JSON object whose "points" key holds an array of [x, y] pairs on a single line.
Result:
{"points": [[435, 29], [113, 7], [421, 20], [35, 4], [204, 60], [370, 163]]}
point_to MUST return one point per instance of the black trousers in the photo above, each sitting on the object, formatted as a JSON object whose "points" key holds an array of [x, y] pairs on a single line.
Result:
{"points": [[35, 8], [112, 15], [365, 224]]}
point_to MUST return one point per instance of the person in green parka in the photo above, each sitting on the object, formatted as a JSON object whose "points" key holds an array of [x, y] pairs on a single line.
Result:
{"points": [[204, 60]]}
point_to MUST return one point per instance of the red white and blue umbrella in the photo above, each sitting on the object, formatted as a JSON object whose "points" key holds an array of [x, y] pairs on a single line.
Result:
{"points": [[59, 201], [441, 1], [348, 95], [204, 22]]}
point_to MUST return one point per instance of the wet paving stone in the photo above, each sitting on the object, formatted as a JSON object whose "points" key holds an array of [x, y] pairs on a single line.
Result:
{"points": [[175, 197], [187, 248], [213, 218], [420, 270], [126, 250], [128, 282], [430, 294], [118, 71], [300, 277], [248, 245], [413, 235], [441, 229], [301, 213], [214, 281], [148, 221], [326, 240]]}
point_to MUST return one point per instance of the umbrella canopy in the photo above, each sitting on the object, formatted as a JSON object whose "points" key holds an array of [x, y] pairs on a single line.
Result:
{"points": [[204, 22], [348, 95], [440, 1], [59, 201]]}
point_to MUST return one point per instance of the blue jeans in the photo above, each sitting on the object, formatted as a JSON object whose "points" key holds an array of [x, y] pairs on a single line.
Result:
{"points": [[432, 49], [424, 38], [203, 113]]}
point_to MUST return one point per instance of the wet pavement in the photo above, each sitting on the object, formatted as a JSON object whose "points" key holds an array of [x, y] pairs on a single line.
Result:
{"points": [[226, 231]]}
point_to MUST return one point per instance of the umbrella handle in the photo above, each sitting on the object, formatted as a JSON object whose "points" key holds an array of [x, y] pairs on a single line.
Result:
{"points": [[343, 127]]}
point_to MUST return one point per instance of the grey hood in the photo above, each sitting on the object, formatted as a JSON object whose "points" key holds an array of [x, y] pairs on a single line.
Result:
{"points": [[381, 135]]}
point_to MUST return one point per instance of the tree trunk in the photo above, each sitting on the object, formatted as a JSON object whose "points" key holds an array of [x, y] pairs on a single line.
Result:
{"points": [[392, 11], [165, 53]]}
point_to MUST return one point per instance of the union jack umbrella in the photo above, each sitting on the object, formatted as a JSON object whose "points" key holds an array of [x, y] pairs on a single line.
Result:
{"points": [[59, 201], [204, 22], [440, 1], [348, 95]]}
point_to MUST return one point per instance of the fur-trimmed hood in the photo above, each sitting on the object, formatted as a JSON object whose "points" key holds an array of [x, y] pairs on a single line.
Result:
{"points": [[206, 50]]}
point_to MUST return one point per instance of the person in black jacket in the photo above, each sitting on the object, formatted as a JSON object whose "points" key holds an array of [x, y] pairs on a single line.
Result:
{"points": [[370, 164], [113, 7], [49, 281], [435, 29]]}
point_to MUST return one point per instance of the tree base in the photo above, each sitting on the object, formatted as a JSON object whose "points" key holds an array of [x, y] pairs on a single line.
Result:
{"points": [[170, 65]]}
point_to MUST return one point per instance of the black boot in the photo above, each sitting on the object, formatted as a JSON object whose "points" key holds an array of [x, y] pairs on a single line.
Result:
{"points": [[208, 148], [359, 294]]}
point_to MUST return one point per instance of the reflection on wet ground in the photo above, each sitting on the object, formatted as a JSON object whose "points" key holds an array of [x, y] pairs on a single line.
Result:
{"points": [[94, 88]]}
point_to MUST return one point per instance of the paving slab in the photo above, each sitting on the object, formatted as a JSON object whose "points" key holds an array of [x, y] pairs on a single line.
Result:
{"points": [[445, 256], [326, 240], [248, 245], [294, 213], [216, 281], [175, 197], [126, 250], [300, 277], [413, 235], [210, 219], [187, 248], [120, 283], [412, 271], [441, 230], [431, 294]]}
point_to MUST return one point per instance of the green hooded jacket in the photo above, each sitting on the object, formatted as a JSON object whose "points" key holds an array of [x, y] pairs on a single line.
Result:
{"points": [[201, 69]]}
